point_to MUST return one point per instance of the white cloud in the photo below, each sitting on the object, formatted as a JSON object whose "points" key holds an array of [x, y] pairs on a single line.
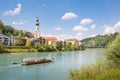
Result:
{"points": [[13, 12], [93, 27], [117, 25], [63, 36], [68, 16], [79, 34], [108, 29], [19, 22], [57, 28], [79, 28], [86, 21], [111, 29]]}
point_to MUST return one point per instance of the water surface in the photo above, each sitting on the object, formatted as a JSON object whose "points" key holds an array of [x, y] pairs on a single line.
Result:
{"points": [[57, 70]]}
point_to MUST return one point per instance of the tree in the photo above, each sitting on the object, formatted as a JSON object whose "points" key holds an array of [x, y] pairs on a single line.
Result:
{"points": [[113, 51], [37, 45], [28, 44], [82, 47], [1, 48], [68, 46], [20, 42], [59, 45]]}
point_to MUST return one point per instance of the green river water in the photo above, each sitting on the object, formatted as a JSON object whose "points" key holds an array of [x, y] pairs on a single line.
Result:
{"points": [[57, 70]]}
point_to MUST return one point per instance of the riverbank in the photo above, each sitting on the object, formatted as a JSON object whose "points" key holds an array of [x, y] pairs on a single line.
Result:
{"points": [[24, 49], [20, 50]]}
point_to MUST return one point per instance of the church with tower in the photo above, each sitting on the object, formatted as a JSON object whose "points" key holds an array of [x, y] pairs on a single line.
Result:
{"points": [[37, 30], [37, 35]]}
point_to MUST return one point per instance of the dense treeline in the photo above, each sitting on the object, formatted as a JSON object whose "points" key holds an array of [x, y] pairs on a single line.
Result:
{"points": [[10, 31], [99, 41]]}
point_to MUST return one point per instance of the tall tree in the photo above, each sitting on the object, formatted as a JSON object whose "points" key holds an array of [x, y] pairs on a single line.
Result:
{"points": [[113, 51], [28, 45], [20, 41]]}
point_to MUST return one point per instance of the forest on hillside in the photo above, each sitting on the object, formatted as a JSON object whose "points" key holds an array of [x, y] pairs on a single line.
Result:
{"points": [[99, 41], [10, 31]]}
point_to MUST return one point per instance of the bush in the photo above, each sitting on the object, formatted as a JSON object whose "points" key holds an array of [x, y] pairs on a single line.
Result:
{"points": [[20, 50], [2, 50], [82, 47], [113, 74], [113, 51], [95, 72], [16, 47], [37, 45]]}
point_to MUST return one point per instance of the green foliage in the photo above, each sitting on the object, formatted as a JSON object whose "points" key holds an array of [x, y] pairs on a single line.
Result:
{"points": [[99, 41], [112, 74], [113, 51], [68, 46], [28, 45], [82, 47], [59, 45], [100, 71], [1, 48], [10, 31], [37, 45], [20, 42], [20, 50], [15, 47]]}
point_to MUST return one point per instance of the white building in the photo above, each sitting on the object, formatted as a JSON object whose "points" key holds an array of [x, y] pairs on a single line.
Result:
{"points": [[5, 40], [37, 30], [73, 41], [14, 40], [49, 39]]}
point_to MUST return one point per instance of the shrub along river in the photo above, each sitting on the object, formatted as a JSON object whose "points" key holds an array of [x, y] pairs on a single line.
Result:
{"points": [[57, 70]]}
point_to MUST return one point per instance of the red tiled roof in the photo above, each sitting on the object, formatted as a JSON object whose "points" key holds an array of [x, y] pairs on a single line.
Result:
{"points": [[50, 38], [72, 39]]}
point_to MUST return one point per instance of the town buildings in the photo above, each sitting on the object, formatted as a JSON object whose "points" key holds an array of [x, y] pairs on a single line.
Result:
{"points": [[73, 41], [50, 40], [5, 40], [42, 39]]}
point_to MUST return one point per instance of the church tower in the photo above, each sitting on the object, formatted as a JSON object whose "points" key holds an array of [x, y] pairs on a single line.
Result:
{"points": [[37, 30]]}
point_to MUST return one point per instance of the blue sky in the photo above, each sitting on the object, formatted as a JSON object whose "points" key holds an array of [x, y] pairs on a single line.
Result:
{"points": [[63, 18]]}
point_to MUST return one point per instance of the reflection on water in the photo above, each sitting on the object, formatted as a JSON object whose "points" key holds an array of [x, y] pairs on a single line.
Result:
{"points": [[57, 70]]}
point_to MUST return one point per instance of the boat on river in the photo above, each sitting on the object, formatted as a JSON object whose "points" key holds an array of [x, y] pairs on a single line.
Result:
{"points": [[36, 61]]}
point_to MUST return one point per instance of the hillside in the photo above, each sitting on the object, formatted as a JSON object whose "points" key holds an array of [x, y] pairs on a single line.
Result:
{"points": [[10, 31], [99, 41]]}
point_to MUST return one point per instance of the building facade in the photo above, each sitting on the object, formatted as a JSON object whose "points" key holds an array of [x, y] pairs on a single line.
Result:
{"points": [[5, 40], [37, 30], [14, 40], [73, 41], [50, 40]]}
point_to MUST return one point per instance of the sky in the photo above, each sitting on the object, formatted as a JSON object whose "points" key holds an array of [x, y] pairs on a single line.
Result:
{"points": [[63, 19]]}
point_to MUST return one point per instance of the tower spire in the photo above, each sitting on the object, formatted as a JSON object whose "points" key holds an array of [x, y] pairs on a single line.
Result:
{"points": [[37, 31]]}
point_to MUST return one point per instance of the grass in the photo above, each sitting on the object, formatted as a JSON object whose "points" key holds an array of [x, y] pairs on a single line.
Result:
{"points": [[99, 71], [20, 50]]}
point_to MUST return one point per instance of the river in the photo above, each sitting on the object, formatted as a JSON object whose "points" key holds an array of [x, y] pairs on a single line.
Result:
{"points": [[57, 70]]}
